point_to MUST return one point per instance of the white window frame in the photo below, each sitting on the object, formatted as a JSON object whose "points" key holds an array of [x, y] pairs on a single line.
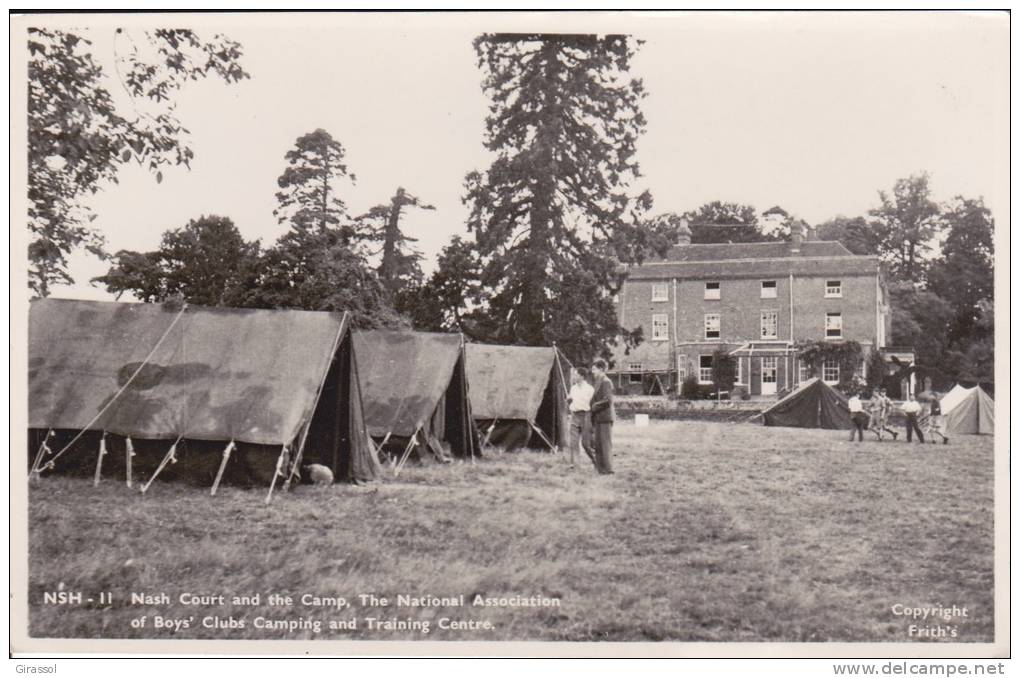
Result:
{"points": [[769, 292], [660, 291], [829, 316], [660, 327], [775, 314], [740, 372], [828, 366], [635, 370], [681, 369], [702, 371], [715, 292], [718, 325], [770, 363], [803, 371], [834, 291]]}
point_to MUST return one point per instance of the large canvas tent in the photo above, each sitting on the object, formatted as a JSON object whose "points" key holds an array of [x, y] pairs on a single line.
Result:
{"points": [[519, 395], [415, 393], [968, 410], [274, 387], [814, 404]]}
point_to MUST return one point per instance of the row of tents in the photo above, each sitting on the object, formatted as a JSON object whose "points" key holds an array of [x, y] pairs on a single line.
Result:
{"points": [[815, 404], [138, 390]]}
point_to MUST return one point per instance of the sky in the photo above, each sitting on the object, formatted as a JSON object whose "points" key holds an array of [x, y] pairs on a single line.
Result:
{"points": [[814, 112]]}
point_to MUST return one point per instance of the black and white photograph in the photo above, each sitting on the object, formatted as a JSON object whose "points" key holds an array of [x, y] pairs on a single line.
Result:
{"points": [[529, 333]]}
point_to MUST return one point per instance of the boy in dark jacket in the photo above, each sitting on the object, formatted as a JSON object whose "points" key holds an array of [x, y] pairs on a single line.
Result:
{"points": [[602, 417]]}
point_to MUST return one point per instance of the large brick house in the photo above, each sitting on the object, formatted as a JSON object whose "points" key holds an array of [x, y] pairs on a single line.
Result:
{"points": [[754, 300]]}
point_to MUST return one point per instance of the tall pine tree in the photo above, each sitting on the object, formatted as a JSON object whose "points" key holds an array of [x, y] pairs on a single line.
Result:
{"points": [[308, 197], [554, 215], [400, 263]]}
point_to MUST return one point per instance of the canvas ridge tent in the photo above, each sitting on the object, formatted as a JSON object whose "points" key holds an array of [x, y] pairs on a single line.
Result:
{"points": [[257, 392], [814, 404], [415, 393], [968, 410], [519, 395]]}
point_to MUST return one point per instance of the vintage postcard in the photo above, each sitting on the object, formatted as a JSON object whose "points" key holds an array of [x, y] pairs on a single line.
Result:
{"points": [[664, 334]]}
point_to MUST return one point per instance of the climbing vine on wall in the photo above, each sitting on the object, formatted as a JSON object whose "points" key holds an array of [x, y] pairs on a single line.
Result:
{"points": [[847, 355]]}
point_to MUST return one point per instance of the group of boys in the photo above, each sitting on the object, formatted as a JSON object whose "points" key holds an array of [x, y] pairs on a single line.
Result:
{"points": [[876, 417]]}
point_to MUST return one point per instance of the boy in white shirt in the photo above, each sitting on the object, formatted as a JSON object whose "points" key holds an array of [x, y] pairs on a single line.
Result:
{"points": [[579, 401]]}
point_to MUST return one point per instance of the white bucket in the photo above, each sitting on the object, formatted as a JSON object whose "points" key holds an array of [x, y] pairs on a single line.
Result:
{"points": [[641, 420]]}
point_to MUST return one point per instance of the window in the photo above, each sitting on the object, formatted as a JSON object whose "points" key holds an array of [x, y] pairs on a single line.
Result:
{"points": [[768, 289], [705, 369], [660, 292], [660, 327], [712, 323], [803, 372], [681, 368], [769, 324], [740, 371], [635, 373], [830, 371], [833, 288], [712, 290], [769, 372], [833, 325]]}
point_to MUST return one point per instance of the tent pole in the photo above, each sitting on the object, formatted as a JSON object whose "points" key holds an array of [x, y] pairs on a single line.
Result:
{"points": [[407, 452], [223, 466], [543, 436], [277, 473], [129, 452], [44, 449], [488, 433], [170, 457], [99, 460], [295, 466]]}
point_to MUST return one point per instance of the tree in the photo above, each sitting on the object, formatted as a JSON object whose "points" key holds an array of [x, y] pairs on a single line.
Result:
{"points": [[316, 270], [206, 262], [904, 225], [724, 371], [307, 198], [721, 222], [445, 302], [920, 320], [555, 206], [856, 234], [78, 137], [965, 273], [400, 266], [878, 370]]}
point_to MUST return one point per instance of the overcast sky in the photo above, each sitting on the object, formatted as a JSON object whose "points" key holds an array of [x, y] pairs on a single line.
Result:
{"points": [[813, 112]]}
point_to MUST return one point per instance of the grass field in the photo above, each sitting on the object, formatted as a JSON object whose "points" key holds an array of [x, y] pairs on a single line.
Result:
{"points": [[707, 532]]}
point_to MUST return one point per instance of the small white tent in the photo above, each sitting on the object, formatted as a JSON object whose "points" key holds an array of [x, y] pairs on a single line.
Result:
{"points": [[968, 410]]}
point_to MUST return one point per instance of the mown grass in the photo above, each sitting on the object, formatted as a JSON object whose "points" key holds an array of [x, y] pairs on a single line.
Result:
{"points": [[707, 532]]}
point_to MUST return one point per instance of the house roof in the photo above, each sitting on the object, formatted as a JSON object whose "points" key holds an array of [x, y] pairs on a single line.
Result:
{"points": [[754, 260], [756, 250]]}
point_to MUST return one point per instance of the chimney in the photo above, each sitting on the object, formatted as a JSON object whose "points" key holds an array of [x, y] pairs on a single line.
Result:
{"points": [[796, 236], [683, 233]]}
